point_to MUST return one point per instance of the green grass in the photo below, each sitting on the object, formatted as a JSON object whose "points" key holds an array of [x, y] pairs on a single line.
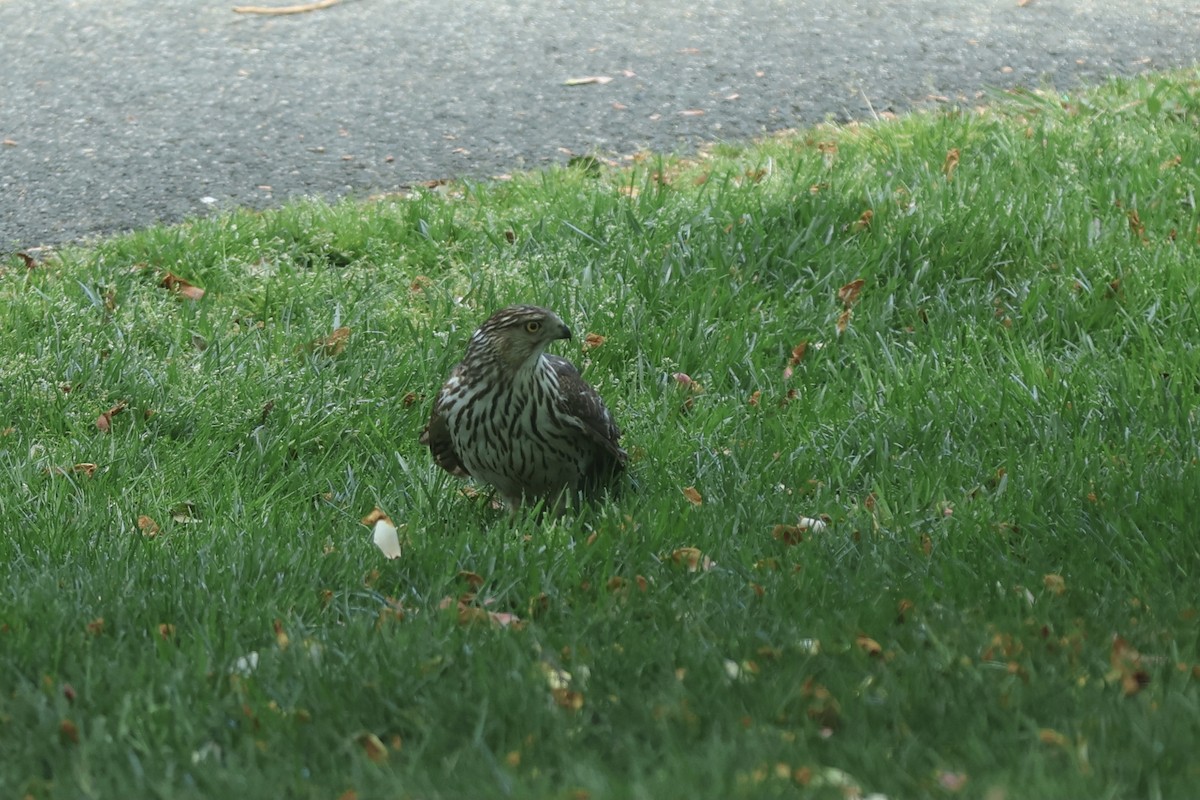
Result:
{"points": [[1014, 397]]}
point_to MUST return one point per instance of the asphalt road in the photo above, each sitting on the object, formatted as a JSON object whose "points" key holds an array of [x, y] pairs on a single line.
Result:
{"points": [[116, 114]]}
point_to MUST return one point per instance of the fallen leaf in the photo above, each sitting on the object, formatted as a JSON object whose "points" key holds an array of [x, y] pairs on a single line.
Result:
{"points": [[1135, 224], [282, 640], [1051, 736], [1127, 665], [166, 631], [474, 580], [848, 294], [864, 221], [386, 538], [147, 526], [373, 747], [843, 321], [754, 397], [1055, 584], [951, 163], [592, 341], [86, 469], [868, 645], [96, 626], [376, 514], [588, 80], [693, 559], [174, 283], [788, 534], [798, 353], [692, 495], [568, 699], [104, 421], [332, 345]]}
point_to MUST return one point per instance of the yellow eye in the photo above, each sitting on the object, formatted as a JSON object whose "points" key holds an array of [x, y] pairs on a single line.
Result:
{"points": [[533, 327]]}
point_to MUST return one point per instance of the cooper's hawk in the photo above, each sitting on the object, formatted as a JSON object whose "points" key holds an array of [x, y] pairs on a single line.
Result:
{"points": [[521, 420]]}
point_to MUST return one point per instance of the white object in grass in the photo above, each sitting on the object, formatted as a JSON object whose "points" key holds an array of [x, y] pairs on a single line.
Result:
{"points": [[386, 539]]}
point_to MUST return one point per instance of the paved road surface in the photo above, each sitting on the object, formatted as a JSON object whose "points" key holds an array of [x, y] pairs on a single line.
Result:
{"points": [[119, 113]]}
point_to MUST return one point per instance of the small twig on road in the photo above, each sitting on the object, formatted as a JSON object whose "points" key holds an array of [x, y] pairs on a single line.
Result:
{"points": [[300, 9]]}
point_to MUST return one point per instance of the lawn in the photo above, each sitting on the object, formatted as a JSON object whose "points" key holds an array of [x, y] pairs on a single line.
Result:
{"points": [[912, 508]]}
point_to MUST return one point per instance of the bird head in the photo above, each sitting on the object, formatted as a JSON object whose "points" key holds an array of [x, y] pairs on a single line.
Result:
{"points": [[517, 335]]}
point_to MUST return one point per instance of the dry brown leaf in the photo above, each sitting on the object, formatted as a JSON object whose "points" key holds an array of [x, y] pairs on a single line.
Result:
{"points": [[789, 534], [951, 163], [864, 221], [798, 353], [86, 468], [1127, 665], [693, 559], [868, 645], [177, 285], [376, 514], [333, 344], [375, 749], [104, 421], [848, 294], [1051, 736], [568, 699], [754, 397], [592, 341], [843, 321], [147, 526], [692, 495], [1135, 224], [1055, 583], [472, 579], [96, 626], [166, 631]]}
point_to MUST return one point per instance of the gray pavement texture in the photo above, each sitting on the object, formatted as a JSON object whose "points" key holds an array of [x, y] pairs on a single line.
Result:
{"points": [[116, 114]]}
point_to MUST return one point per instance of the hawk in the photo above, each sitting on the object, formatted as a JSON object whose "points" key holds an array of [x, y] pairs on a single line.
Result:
{"points": [[522, 420]]}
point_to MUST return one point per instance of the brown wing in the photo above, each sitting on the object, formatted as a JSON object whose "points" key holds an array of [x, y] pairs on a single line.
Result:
{"points": [[582, 402], [437, 435]]}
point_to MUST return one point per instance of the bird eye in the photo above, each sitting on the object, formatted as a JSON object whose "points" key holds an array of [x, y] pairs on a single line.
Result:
{"points": [[533, 327]]}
